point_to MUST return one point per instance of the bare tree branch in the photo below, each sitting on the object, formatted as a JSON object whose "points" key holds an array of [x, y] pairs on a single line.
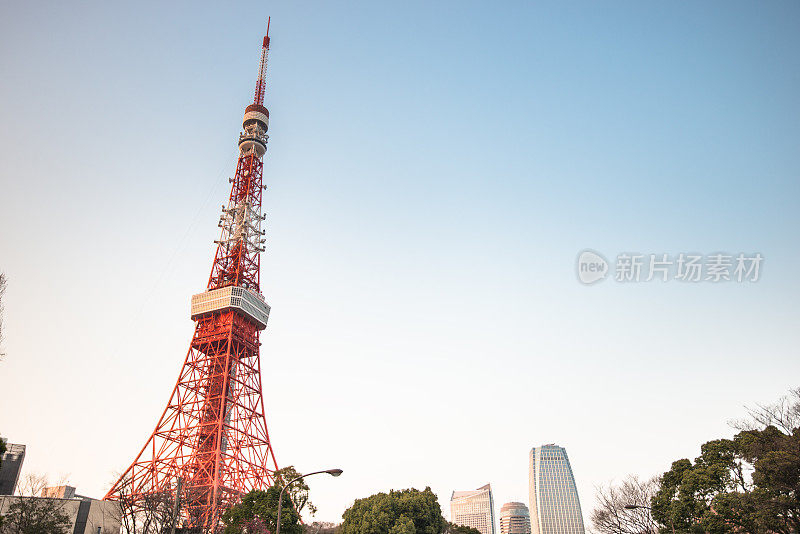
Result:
{"points": [[152, 512], [783, 414], [610, 515], [29, 514], [32, 485]]}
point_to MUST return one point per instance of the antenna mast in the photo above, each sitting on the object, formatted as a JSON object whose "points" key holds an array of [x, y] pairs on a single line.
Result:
{"points": [[261, 82]]}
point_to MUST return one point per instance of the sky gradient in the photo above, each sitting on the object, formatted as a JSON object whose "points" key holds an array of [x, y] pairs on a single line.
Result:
{"points": [[434, 170]]}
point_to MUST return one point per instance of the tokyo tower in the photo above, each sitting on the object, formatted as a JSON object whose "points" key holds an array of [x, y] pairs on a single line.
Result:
{"points": [[211, 443]]}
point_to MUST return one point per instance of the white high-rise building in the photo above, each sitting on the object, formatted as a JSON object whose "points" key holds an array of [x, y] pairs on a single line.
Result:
{"points": [[474, 509], [555, 507]]}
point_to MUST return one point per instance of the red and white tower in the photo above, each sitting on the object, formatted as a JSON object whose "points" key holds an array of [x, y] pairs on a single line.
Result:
{"points": [[212, 436]]}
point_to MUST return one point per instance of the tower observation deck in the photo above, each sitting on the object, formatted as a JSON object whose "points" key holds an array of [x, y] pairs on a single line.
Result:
{"points": [[211, 444]]}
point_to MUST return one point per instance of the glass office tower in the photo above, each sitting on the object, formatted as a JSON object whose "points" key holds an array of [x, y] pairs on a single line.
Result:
{"points": [[555, 508], [473, 509]]}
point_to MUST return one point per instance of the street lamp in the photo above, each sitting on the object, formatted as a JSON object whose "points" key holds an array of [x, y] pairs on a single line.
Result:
{"points": [[332, 472], [635, 506]]}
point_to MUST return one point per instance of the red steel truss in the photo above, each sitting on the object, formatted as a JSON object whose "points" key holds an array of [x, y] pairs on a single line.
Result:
{"points": [[213, 434]]}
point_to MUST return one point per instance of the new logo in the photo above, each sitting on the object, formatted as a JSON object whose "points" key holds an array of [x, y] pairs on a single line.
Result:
{"points": [[592, 267]]}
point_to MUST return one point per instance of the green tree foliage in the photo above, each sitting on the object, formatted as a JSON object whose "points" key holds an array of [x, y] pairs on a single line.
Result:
{"points": [[773, 500], [452, 528], [257, 513], [407, 511], [688, 489], [28, 515], [297, 492], [748, 484]]}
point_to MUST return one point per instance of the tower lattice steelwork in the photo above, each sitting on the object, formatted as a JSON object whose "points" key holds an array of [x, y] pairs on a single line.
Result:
{"points": [[212, 441]]}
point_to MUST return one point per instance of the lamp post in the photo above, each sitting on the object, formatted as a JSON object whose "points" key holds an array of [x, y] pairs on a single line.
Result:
{"points": [[635, 506], [332, 472]]}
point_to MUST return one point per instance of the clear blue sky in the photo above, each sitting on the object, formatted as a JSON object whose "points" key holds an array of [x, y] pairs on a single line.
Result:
{"points": [[434, 169]]}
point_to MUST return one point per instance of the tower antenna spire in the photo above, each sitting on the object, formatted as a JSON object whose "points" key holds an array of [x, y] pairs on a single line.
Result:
{"points": [[261, 81]]}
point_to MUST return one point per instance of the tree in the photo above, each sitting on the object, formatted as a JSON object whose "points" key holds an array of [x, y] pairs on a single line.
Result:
{"points": [[408, 511], [297, 492], [257, 513], [28, 514], [151, 513], [770, 502], [750, 483], [688, 489], [783, 414], [32, 484], [31, 515], [610, 515], [258, 510], [452, 528]]}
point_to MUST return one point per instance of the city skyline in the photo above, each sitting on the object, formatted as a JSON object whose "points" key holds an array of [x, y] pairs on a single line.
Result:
{"points": [[434, 172]]}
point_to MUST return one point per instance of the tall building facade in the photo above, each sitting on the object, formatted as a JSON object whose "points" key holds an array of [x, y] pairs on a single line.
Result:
{"points": [[555, 507], [10, 467], [474, 509], [515, 519]]}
